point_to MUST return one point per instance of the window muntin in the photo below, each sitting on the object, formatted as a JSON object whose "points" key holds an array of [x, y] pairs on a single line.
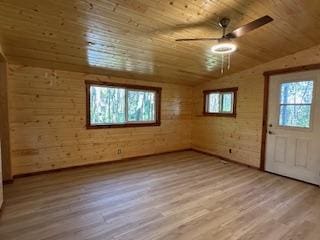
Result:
{"points": [[296, 104], [117, 105], [220, 102]]}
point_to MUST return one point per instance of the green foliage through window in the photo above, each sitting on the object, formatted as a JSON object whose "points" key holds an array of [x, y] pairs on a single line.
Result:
{"points": [[295, 104], [116, 105], [220, 102], [141, 106], [107, 105]]}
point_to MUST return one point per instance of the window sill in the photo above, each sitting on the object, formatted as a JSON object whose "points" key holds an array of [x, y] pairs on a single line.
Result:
{"points": [[125, 125], [232, 115]]}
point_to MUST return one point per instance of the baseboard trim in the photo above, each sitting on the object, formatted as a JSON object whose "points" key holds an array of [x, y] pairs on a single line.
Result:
{"points": [[224, 158], [9, 181], [123, 160], [93, 164]]}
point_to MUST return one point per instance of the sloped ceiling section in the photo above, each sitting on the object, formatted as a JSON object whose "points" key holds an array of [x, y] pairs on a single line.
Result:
{"points": [[136, 38]]}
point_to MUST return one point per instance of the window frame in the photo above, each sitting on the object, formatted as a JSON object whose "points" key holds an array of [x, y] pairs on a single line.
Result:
{"points": [[127, 87], [206, 94]]}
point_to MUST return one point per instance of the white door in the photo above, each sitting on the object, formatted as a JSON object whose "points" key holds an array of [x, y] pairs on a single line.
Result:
{"points": [[293, 137]]}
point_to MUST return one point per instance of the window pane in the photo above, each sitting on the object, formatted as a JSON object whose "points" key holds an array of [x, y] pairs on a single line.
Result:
{"points": [[227, 102], [214, 103], [295, 115], [107, 105], [297, 92], [141, 106]]}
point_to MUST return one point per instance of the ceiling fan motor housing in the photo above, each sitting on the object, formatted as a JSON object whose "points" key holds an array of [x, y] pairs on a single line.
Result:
{"points": [[224, 22]]}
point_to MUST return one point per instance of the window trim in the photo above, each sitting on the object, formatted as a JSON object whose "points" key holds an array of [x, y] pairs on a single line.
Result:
{"points": [[157, 91], [206, 93]]}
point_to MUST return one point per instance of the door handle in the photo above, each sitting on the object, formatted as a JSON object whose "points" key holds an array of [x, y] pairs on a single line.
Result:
{"points": [[270, 132]]}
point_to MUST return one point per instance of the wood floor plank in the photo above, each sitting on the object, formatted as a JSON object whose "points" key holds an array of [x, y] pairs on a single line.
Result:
{"points": [[176, 196]]}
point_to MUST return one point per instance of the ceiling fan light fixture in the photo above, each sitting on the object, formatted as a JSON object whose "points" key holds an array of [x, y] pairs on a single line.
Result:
{"points": [[224, 48]]}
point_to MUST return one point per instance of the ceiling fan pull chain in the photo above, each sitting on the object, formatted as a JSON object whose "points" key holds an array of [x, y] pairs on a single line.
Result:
{"points": [[222, 63]]}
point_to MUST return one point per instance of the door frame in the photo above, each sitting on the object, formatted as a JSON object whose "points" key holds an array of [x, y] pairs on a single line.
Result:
{"points": [[4, 122], [267, 76]]}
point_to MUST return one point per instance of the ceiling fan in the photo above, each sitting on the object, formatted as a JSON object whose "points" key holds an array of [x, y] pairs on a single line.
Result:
{"points": [[225, 44]]}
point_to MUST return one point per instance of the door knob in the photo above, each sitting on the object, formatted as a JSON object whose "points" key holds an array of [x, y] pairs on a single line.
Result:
{"points": [[270, 132]]}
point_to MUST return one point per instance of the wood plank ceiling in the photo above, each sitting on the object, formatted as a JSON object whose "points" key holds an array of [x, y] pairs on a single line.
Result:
{"points": [[135, 38]]}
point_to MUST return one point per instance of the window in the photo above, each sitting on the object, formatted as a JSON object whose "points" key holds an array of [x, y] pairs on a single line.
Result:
{"points": [[296, 104], [120, 105], [220, 102]]}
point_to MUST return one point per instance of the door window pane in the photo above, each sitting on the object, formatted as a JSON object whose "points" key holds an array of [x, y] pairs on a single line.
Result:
{"points": [[141, 106], [107, 105], [295, 104], [295, 115], [297, 92]]}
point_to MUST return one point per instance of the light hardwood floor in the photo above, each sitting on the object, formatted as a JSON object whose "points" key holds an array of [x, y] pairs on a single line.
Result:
{"points": [[178, 196]]}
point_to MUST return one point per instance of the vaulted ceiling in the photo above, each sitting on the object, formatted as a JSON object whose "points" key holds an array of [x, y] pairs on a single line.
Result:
{"points": [[136, 38]]}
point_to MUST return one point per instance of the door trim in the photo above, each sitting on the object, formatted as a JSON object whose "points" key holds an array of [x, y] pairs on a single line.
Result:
{"points": [[267, 76]]}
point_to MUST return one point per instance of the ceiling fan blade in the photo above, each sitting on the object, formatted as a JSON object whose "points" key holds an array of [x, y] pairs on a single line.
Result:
{"points": [[250, 27], [197, 39]]}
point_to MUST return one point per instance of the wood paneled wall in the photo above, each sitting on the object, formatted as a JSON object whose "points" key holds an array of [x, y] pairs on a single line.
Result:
{"points": [[47, 119], [47, 122], [217, 135]]}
